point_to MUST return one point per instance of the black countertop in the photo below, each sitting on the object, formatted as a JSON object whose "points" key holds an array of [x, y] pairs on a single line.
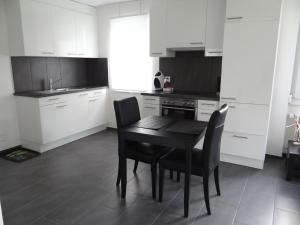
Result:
{"points": [[46, 93], [202, 96]]}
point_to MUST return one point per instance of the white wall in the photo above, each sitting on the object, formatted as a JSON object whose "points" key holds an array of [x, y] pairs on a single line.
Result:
{"points": [[105, 13], [283, 75], [9, 131]]}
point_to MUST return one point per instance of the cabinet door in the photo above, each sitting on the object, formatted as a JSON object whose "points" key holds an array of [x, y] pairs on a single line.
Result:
{"points": [[248, 62], [80, 112], [158, 9], [216, 13], [56, 122], [38, 28], [258, 10], [247, 118], [97, 111], [65, 32], [186, 22], [151, 110], [244, 145], [86, 35]]}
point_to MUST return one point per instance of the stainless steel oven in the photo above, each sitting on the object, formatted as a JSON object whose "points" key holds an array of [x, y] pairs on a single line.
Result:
{"points": [[179, 108]]}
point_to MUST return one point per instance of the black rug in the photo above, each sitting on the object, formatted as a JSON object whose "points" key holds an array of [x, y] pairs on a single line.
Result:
{"points": [[18, 154]]}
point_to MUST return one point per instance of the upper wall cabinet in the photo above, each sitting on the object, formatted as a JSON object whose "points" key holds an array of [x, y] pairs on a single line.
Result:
{"points": [[158, 28], [186, 22], [216, 13], [253, 10], [249, 61], [45, 28]]}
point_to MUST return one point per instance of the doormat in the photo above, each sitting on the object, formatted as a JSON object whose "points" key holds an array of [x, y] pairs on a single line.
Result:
{"points": [[18, 154]]}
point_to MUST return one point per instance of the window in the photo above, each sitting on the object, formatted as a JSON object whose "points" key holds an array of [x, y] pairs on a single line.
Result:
{"points": [[130, 65]]}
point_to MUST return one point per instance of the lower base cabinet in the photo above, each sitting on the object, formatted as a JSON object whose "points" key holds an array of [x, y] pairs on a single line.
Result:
{"points": [[59, 119], [244, 145]]}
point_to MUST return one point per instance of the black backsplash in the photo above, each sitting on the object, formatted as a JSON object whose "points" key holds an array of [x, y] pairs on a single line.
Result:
{"points": [[192, 73], [33, 73]]}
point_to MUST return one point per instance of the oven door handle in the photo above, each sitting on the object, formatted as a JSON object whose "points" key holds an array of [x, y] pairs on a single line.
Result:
{"points": [[177, 108]]}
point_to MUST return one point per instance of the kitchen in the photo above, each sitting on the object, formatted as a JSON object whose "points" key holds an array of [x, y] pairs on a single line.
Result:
{"points": [[64, 63]]}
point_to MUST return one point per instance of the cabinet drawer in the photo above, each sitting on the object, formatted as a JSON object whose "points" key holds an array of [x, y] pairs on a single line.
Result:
{"points": [[204, 115], [53, 100], [246, 118], [244, 145], [151, 110], [151, 100], [208, 105], [98, 93]]}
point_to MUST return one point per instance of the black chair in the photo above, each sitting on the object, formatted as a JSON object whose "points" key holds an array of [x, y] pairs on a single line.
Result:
{"points": [[127, 112], [204, 162]]}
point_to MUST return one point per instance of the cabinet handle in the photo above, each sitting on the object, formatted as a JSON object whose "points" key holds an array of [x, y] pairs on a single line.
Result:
{"points": [[147, 107], [229, 98], [207, 104], [196, 43], [83, 94], [92, 100], [240, 137], [61, 106], [150, 99], [156, 53], [48, 53], [232, 107], [205, 113], [235, 18], [53, 99], [215, 52]]}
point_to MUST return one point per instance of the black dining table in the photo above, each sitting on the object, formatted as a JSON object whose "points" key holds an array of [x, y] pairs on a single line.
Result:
{"points": [[175, 134]]}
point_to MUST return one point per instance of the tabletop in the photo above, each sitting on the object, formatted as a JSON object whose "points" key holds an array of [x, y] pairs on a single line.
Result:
{"points": [[163, 136]]}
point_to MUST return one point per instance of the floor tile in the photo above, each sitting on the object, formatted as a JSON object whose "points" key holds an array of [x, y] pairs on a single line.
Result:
{"points": [[282, 217]]}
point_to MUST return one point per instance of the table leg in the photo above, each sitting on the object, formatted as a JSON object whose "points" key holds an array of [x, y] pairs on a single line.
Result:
{"points": [[187, 181], [123, 169]]}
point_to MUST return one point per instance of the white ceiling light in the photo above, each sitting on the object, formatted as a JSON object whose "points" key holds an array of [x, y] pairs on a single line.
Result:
{"points": [[98, 2]]}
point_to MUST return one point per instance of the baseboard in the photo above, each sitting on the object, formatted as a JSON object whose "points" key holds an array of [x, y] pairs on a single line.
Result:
{"points": [[254, 163], [41, 148]]}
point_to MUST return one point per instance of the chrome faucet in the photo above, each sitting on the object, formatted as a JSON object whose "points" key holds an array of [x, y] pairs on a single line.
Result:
{"points": [[51, 83]]}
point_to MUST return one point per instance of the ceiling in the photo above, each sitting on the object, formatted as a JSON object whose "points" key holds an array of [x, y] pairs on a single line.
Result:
{"points": [[98, 2]]}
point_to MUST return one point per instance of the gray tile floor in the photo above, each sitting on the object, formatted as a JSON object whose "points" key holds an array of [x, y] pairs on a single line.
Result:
{"points": [[75, 185]]}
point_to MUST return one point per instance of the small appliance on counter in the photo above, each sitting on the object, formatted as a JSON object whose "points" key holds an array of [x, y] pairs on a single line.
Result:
{"points": [[159, 81], [167, 85]]}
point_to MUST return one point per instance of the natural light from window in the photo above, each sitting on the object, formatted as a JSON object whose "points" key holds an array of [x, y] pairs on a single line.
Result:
{"points": [[130, 65]]}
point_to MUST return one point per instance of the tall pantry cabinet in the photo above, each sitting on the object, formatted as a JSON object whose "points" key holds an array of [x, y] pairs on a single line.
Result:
{"points": [[249, 61]]}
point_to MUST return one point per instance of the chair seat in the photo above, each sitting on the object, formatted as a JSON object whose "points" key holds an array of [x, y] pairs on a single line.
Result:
{"points": [[145, 152], [175, 160]]}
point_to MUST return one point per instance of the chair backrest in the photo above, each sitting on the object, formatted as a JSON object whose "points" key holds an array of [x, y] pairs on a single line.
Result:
{"points": [[212, 140], [127, 112]]}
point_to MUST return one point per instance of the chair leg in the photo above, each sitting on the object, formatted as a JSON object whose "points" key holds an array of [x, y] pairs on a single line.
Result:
{"points": [[178, 176], [161, 183], [216, 175], [171, 174], [136, 163], [154, 179], [119, 174], [206, 193]]}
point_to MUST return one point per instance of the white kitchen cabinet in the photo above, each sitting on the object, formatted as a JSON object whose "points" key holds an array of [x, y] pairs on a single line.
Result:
{"points": [[47, 28], [46, 123], [158, 9], [56, 122], [247, 118], [185, 23], [248, 62], [38, 28], [249, 10], [244, 145], [206, 109], [65, 32], [151, 106], [97, 109], [216, 13]]}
